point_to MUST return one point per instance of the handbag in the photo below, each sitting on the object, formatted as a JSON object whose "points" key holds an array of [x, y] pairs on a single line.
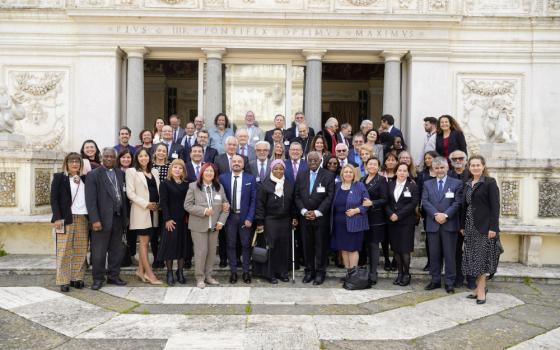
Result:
{"points": [[259, 254], [499, 245], [358, 278]]}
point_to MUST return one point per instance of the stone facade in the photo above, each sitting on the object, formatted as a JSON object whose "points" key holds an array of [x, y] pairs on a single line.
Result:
{"points": [[8, 189], [549, 199], [509, 190], [42, 187]]}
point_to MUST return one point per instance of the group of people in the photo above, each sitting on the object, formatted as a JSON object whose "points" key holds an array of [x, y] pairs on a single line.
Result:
{"points": [[187, 191]]}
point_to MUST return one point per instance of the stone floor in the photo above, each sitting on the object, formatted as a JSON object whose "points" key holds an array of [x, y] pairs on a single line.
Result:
{"points": [[520, 315]]}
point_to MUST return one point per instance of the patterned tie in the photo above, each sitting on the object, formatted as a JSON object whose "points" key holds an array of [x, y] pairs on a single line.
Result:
{"points": [[242, 150], [261, 173], [440, 187], [189, 140], [295, 169], [312, 181]]}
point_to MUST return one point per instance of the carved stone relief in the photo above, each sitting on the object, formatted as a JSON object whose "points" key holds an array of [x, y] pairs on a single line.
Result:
{"points": [[489, 109], [497, 6], [549, 199], [554, 5], [44, 97], [438, 4], [509, 190], [8, 189], [171, 3], [42, 187], [23, 4], [10, 111]]}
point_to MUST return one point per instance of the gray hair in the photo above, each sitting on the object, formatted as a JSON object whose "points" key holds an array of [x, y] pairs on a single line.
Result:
{"points": [[331, 122], [463, 154], [295, 143], [240, 130], [314, 153], [302, 124], [109, 149], [263, 143], [345, 126], [230, 138], [366, 122], [439, 161]]}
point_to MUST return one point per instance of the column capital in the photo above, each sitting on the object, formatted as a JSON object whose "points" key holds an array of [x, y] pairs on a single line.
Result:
{"points": [[392, 56], [314, 54], [214, 52], [135, 51]]}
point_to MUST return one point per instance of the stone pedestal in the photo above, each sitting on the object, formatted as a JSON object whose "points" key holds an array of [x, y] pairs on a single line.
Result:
{"points": [[498, 150], [531, 250]]}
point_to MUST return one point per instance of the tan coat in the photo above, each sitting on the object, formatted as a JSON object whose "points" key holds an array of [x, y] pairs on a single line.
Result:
{"points": [[196, 203], [137, 192]]}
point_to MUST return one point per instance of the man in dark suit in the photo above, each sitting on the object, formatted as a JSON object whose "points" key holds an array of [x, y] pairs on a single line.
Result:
{"points": [[294, 165], [279, 123], [345, 135], [190, 136], [223, 161], [194, 163], [354, 153], [293, 132], [177, 132], [314, 192], [241, 191], [329, 133], [441, 200], [208, 153], [388, 125], [303, 138], [243, 146], [105, 202], [174, 149], [260, 168], [342, 155]]}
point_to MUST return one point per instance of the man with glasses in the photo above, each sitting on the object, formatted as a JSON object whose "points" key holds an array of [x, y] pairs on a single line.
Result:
{"points": [[458, 163], [354, 153], [255, 133], [294, 132], [304, 138], [260, 167], [342, 155]]}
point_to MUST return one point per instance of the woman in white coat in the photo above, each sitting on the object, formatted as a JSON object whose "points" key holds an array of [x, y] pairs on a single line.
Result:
{"points": [[142, 190]]}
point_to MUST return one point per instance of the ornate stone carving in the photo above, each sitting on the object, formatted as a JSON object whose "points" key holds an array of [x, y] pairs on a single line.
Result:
{"points": [[10, 111], [549, 199], [405, 4], [438, 4], [22, 4], [171, 2], [42, 187], [362, 2], [554, 5], [510, 197], [489, 110], [8, 189]]}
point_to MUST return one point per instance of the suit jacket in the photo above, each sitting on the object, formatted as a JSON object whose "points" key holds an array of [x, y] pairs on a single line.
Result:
{"points": [[268, 135], [352, 158], [196, 203], [191, 174], [378, 193], [175, 148], [184, 142], [320, 201], [291, 132], [101, 198], [434, 202], [358, 193], [456, 142], [305, 144], [61, 198], [254, 169], [248, 194], [404, 207], [289, 172], [210, 155], [342, 139], [485, 202], [180, 134], [269, 205], [222, 162], [138, 194], [255, 135], [249, 151]]}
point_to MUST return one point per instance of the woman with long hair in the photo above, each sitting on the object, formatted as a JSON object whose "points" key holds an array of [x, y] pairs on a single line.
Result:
{"points": [[278, 152], [389, 168], [124, 162], [449, 137], [158, 125], [91, 156], [319, 144]]}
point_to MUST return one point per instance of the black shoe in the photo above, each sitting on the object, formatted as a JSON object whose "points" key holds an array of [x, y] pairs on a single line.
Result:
{"points": [[97, 285], [273, 280], [170, 279], [405, 280], [398, 280], [427, 267], [433, 286], [223, 263], [77, 284], [65, 288], [319, 279], [116, 281], [246, 277], [474, 296], [387, 266], [180, 277], [394, 265], [233, 278], [449, 289], [284, 278], [307, 278]]}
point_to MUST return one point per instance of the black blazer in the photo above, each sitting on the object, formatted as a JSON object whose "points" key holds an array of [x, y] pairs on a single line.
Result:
{"points": [[271, 206], [268, 136], [291, 133], [222, 163], [315, 201], [485, 204], [191, 174], [405, 206], [305, 144], [378, 192], [100, 198], [175, 148], [456, 142], [171, 199], [61, 198]]}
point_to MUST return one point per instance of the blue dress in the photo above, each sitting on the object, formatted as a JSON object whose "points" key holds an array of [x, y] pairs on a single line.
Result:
{"points": [[342, 239]]}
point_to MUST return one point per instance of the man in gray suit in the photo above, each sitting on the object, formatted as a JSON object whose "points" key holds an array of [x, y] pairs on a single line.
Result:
{"points": [[243, 147], [106, 205], [441, 199], [260, 168], [255, 133]]}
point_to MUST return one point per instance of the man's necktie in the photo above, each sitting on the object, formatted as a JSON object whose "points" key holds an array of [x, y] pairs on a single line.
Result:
{"points": [[189, 140], [234, 195], [312, 181], [197, 171], [261, 172], [295, 169], [242, 150], [440, 187]]}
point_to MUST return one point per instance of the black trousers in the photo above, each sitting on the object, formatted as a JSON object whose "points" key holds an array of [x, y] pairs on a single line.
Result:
{"points": [[442, 244], [315, 238], [107, 246], [234, 230]]}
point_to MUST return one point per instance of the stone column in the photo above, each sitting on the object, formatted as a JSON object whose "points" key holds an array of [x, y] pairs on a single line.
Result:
{"points": [[392, 85], [135, 91], [313, 97], [213, 98]]}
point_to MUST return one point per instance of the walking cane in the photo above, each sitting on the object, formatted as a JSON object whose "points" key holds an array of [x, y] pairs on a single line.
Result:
{"points": [[293, 258]]}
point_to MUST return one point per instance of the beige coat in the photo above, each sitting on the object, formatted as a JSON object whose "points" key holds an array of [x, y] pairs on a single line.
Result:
{"points": [[137, 192], [196, 203]]}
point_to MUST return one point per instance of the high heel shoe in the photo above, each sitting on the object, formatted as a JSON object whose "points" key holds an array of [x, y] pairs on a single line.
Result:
{"points": [[479, 301], [474, 296], [141, 277], [155, 282]]}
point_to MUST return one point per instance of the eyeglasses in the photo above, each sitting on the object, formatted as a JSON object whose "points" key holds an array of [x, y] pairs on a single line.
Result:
{"points": [[74, 161], [457, 159], [342, 150]]}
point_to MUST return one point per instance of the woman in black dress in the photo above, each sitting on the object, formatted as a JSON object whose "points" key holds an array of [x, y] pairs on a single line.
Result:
{"points": [[480, 214], [172, 192], [400, 211], [376, 186], [275, 213]]}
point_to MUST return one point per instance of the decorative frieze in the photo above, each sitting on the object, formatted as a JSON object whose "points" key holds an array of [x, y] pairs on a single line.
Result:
{"points": [[42, 187], [509, 190], [549, 199], [8, 189]]}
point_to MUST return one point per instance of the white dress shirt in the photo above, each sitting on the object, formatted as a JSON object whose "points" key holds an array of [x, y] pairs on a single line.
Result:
{"points": [[399, 187], [79, 196]]}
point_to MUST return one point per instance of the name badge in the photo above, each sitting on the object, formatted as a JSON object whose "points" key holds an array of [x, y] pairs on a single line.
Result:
{"points": [[124, 188], [287, 143], [218, 197], [407, 194], [320, 189], [449, 194], [258, 179], [256, 138], [174, 155]]}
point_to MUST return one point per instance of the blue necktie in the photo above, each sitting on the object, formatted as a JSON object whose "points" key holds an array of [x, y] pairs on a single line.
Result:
{"points": [[440, 187], [312, 181]]}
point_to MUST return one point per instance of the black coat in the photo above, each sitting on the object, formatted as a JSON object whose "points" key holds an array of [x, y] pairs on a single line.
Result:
{"points": [[328, 140], [485, 204], [100, 198], [271, 206], [290, 133], [222, 163], [172, 199], [61, 198], [315, 201], [456, 142], [405, 206], [378, 193]]}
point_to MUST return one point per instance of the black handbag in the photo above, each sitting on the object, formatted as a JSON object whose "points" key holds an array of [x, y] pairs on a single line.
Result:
{"points": [[358, 278], [259, 253]]}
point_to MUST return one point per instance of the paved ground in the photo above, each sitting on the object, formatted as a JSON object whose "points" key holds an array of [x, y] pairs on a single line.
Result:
{"points": [[34, 315]]}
